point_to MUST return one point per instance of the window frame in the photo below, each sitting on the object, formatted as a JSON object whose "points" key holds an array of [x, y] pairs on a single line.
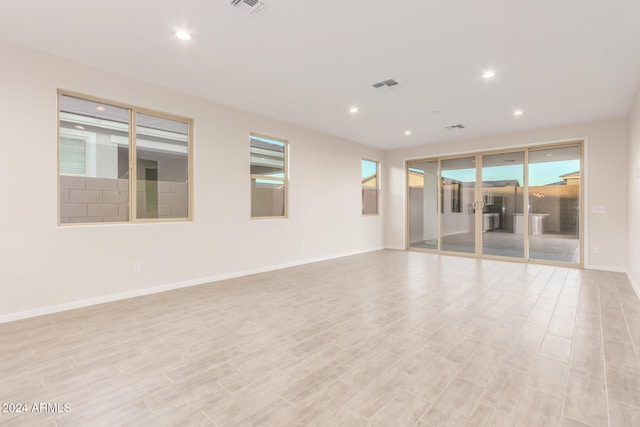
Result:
{"points": [[377, 187], [132, 152], [284, 180]]}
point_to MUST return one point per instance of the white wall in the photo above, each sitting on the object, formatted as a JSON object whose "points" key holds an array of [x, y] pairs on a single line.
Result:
{"points": [[44, 267], [606, 183], [633, 152]]}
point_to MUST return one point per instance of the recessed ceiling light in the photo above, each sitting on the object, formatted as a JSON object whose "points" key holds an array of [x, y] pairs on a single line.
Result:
{"points": [[79, 127], [407, 132], [549, 154], [101, 108], [518, 113], [183, 35], [489, 74], [353, 110]]}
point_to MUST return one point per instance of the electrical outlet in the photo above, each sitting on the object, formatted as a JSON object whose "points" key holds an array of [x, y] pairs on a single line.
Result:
{"points": [[595, 251], [136, 268], [601, 209]]}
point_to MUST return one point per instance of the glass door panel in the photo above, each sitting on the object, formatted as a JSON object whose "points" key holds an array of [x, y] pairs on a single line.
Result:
{"points": [[457, 204], [422, 178], [554, 204], [502, 204]]}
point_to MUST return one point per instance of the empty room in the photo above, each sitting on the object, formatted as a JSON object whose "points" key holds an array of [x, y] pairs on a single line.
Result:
{"points": [[335, 213]]}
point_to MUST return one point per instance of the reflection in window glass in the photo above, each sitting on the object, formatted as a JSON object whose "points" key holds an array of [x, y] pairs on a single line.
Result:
{"points": [[369, 187], [268, 165], [162, 167], [93, 161]]}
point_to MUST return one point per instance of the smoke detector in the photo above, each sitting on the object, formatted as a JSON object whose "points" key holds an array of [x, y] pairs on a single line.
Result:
{"points": [[454, 127], [250, 6]]}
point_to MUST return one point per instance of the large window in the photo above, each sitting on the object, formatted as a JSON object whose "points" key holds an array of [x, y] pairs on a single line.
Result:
{"points": [[98, 153], [370, 187], [269, 174]]}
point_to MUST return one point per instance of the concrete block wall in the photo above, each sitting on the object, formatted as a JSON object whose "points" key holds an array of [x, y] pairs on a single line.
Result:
{"points": [[91, 200], [172, 200]]}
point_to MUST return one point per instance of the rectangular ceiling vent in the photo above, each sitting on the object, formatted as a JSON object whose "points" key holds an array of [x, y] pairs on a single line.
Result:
{"points": [[249, 6], [454, 127], [386, 84]]}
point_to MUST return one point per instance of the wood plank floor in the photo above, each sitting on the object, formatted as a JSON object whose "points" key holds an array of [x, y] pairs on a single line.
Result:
{"points": [[388, 338]]}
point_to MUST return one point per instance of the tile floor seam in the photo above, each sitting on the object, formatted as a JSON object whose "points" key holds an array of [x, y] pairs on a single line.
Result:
{"points": [[532, 369], [636, 350], [573, 335], [602, 353]]}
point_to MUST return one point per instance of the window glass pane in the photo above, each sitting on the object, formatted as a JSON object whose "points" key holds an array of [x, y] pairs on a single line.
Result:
{"points": [[268, 164], [267, 157], [423, 204], [93, 161], [162, 161], [369, 187], [502, 204], [369, 201], [267, 197], [369, 174], [458, 184], [554, 204]]}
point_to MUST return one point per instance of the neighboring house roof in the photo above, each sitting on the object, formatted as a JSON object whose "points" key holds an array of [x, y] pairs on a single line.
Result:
{"points": [[502, 183], [571, 175], [371, 179], [572, 178]]}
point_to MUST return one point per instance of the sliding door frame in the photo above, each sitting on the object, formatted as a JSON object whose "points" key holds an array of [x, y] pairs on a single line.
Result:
{"points": [[578, 142]]}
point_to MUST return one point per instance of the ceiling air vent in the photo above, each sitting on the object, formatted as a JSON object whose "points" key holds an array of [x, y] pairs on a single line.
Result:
{"points": [[250, 6], [454, 127], [386, 84]]}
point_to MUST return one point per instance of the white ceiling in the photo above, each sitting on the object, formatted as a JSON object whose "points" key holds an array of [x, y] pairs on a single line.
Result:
{"points": [[307, 62]]}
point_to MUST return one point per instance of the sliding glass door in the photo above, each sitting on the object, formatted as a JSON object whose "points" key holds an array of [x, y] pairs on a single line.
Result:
{"points": [[554, 204], [423, 205], [458, 207], [522, 204], [502, 204]]}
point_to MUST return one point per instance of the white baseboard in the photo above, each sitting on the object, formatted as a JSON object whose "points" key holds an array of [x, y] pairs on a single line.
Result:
{"points": [[634, 285], [601, 268], [167, 287], [396, 248]]}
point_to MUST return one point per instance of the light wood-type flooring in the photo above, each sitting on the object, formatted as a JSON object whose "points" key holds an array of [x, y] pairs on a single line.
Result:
{"points": [[387, 338]]}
